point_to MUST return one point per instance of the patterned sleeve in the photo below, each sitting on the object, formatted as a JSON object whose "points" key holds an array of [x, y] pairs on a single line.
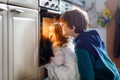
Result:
{"points": [[58, 58]]}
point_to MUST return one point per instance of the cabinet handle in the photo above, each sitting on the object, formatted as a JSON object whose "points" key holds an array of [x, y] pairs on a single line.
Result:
{"points": [[17, 11], [3, 9]]}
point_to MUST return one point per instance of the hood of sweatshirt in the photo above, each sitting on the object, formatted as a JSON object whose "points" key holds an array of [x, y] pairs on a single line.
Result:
{"points": [[90, 41], [91, 37]]}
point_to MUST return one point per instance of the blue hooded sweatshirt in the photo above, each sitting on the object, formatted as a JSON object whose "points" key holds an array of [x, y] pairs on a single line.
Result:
{"points": [[92, 57]]}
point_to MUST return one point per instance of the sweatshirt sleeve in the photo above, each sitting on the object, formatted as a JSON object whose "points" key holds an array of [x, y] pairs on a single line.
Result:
{"points": [[85, 65], [58, 58]]}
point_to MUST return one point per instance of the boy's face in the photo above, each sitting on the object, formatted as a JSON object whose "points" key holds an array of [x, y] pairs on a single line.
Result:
{"points": [[66, 30]]}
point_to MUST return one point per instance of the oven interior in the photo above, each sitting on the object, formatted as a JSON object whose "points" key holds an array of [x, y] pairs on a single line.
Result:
{"points": [[47, 18]]}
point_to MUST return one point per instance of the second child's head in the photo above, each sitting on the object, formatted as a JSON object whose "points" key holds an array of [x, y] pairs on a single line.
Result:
{"points": [[56, 36], [76, 20]]}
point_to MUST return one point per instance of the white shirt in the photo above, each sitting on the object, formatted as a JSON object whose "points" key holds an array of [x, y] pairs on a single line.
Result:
{"points": [[63, 65]]}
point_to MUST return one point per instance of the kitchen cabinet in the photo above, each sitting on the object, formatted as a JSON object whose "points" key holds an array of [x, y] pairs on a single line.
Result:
{"points": [[3, 1], [19, 40], [25, 3], [23, 43], [3, 42]]}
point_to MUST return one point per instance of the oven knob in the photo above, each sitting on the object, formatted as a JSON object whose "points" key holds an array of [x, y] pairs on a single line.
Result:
{"points": [[56, 6], [66, 8], [52, 5], [47, 3]]}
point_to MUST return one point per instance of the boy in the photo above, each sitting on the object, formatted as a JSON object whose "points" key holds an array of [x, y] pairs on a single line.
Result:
{"points": [[93, 61]]}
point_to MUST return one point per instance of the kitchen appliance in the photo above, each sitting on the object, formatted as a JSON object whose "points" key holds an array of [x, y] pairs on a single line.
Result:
{"points": [[49, 14], [47, 18]]}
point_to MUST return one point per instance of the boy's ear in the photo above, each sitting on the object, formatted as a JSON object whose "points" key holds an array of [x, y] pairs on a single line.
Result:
{"points": [[73, 28]]}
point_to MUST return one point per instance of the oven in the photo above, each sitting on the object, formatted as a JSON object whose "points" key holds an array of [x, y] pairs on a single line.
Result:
{"points": [[49, 13]]}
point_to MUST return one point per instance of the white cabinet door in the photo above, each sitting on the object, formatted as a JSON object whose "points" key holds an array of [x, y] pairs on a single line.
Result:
{"points": [[3, 42], [25, 3], [3, 1], [23, 43]]}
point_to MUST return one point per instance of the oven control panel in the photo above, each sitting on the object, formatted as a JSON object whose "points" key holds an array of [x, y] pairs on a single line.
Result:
{"points": [[67, 5], [64, 6], [50, 4]]}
